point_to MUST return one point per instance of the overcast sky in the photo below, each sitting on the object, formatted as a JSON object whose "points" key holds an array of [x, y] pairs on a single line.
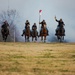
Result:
{"points": [[29, 10]]}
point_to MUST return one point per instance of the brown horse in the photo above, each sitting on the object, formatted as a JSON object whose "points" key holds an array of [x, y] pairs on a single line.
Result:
{"points": [[27, 34], [60, 35], [34, 34], [43, 33], [5, 33]]}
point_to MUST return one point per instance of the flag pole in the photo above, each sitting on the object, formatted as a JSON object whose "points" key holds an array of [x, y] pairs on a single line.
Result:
{"points": [[14, 33], [39, 19]]}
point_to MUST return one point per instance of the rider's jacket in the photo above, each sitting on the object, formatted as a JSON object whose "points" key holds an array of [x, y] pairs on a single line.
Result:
{"points": [[26, 24], [5, 25], [60, 24], [42, 24]]}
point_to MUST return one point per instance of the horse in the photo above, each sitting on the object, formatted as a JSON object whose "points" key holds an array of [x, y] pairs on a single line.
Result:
{"points": [[5, 33], [43, 33], [60, 35], [34, 34], [27, 33]]}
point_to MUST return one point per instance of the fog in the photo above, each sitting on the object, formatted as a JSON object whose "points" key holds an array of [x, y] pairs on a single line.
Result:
{"points": [[29, 10]]}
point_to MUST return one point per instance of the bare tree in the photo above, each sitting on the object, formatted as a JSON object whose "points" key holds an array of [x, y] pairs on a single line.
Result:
{"points": [[12, 18]]}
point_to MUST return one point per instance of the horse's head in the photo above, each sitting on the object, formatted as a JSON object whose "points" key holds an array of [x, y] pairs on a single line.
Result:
{"points": [[28, 26]]}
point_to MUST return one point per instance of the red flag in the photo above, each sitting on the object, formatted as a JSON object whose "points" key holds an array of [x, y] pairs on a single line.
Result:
{"points": [[40, 11]]}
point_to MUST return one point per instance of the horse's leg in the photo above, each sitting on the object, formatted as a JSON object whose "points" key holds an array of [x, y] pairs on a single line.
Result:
{"points": [[25, 38], [28, 38], [32, 38], [36, 38], [41, 38], [36, 35], [6, 37], [44, 38], [60, 38], [63, 37], [3, 36]]}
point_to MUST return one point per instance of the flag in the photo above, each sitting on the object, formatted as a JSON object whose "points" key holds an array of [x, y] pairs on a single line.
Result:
{"points": [[40, 11]]}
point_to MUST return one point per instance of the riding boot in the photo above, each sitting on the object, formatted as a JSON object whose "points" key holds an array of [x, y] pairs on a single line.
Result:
{"points": [[8, 32], [22, 34], [47, 32], [58, 37], [32, 32], [39, 34], [56, 32], [63, 32]]}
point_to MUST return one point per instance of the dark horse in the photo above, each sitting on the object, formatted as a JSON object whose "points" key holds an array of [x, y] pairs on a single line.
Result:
{"points": [[5, 33], [43, 33], [34, 34], [27, 33], [60, 35]]}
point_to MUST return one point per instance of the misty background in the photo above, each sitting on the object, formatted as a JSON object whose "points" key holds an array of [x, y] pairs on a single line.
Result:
{"points": [[29, 10]]}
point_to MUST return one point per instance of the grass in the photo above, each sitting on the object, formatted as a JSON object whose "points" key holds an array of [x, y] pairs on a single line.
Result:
{"points": [[61, 70], [37, 58]]}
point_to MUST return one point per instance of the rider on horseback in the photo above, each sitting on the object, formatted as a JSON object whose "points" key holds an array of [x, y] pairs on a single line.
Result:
{"points": [[60, 25], [26, 25], [5, 27], [34, 29], [34, 26], [43, 23]]}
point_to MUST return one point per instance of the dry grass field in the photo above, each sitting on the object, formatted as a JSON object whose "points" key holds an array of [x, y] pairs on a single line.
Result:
{"points": [[37, 58]]}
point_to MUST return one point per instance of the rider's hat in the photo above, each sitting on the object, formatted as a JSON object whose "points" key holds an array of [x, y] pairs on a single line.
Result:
{"points": [[34, 23]]}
